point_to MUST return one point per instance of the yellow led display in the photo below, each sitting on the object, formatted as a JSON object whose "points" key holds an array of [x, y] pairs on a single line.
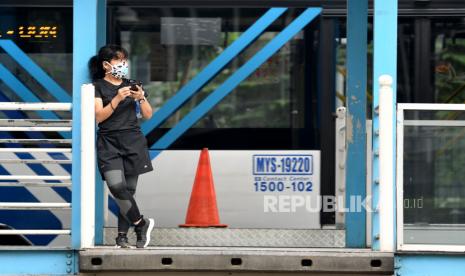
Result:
{"points": [[31, 31]]}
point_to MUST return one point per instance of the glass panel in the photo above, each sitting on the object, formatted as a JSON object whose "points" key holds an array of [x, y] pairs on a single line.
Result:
{"points": [[434, 186]]}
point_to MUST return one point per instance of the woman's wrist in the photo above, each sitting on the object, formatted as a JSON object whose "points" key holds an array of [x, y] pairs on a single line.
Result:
{"points": [[114, 103], [142, 96]]}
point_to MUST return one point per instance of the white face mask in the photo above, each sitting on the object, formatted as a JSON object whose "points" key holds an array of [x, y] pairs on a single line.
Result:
{"points": [[119, 70]]}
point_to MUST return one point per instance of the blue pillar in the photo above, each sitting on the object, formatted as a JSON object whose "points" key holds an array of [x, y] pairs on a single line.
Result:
{"points": [[384, 62], [357, 20], [84, 45], [99, 185]]}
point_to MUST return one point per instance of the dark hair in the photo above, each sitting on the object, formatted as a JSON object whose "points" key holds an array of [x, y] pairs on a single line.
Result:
{"points": [[106, 53]]}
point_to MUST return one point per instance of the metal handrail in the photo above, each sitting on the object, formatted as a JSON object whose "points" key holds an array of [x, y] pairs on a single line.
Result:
{"points": [[35, 232], [36, 141], [35, 161], [35, 122], [35, 184], [62, 150], [33, 206], [35, 106], [35, 177], [35, 180], [35, 129]]}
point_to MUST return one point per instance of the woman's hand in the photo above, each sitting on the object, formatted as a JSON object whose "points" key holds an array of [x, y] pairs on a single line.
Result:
{"points": [[145, 107], [139, 94], [123, 93]]}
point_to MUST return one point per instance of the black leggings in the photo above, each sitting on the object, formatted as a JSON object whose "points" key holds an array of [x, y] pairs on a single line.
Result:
{"points": [[123, 188]]}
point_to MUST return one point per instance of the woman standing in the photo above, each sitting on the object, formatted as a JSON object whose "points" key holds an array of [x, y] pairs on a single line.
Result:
{"points": [[121, 147]]}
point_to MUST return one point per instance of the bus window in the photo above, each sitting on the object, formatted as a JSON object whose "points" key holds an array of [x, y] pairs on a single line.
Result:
{"points": [[271, 109], [45, 36]]}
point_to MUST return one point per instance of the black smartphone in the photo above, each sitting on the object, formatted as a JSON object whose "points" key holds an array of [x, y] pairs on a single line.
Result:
{"points": [[133, 84]]}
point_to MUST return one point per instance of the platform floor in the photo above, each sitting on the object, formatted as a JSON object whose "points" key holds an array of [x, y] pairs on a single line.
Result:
{"points": [[224, 237]]}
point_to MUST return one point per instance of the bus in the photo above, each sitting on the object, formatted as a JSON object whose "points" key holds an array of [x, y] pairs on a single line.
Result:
{"points": [[284, 111]]}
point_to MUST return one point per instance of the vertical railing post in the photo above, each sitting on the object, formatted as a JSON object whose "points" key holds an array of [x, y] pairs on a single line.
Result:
{"points": [[76, 173], [340, 166], [385, 205], [384, 62], [87, 167], [369, 187]]}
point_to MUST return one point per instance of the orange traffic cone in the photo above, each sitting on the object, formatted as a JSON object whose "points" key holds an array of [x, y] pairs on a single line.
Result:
{"points": [[203, 211]]}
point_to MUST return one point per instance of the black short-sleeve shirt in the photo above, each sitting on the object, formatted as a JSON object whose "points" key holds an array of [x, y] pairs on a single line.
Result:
{"points": [[124, 117]]}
